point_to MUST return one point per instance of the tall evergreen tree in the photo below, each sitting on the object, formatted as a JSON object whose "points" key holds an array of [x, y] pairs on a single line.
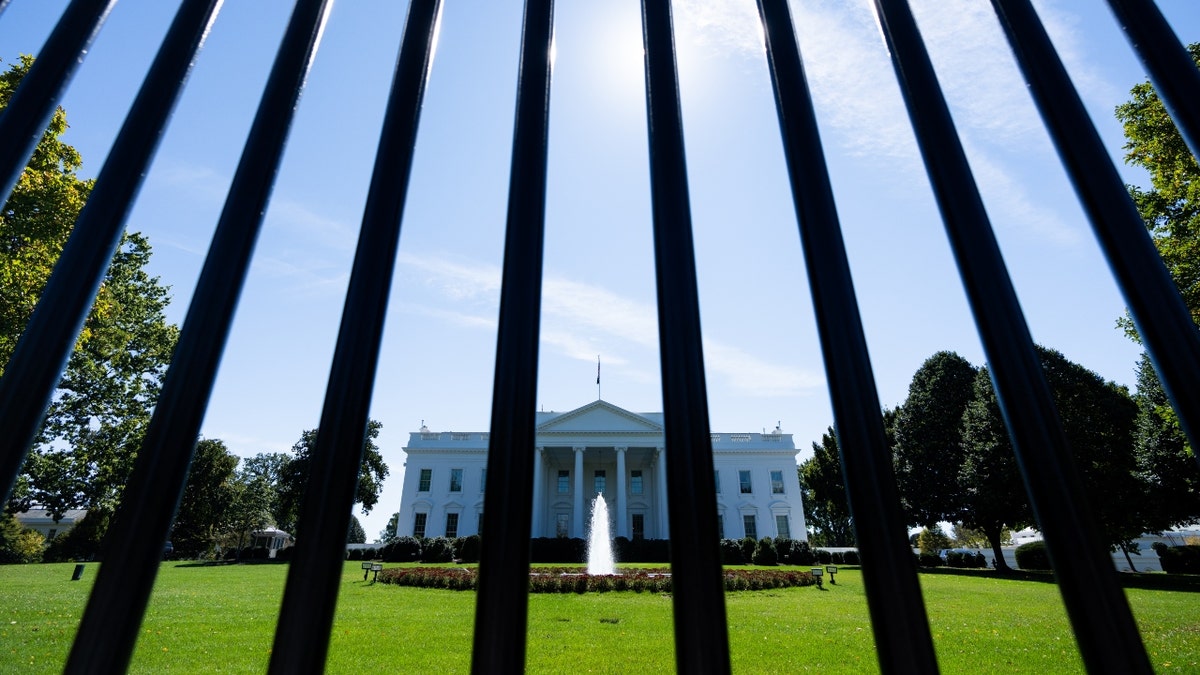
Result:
{"points": [[928, 450]]}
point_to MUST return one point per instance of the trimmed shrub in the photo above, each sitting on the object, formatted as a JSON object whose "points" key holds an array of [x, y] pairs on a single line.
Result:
{"points": [[731, 552], [955, 559], [404, 549], [837, 558], [748, 545], [930, 560], [557, 550], [1178, 559], [823, 557], [1033, 556], [642, 550], [437, 550], [466, 549], [792, 552], [764, 553], [285, 553], [355, 554], [851, 557]]}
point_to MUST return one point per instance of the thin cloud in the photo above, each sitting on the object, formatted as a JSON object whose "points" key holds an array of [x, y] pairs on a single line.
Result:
{"points": [[579, 320]]}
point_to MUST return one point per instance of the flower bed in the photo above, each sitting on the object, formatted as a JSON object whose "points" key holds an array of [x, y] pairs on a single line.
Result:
{"points": [[571, 580]]}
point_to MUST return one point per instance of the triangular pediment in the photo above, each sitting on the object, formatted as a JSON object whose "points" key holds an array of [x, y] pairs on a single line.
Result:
{"points": [[599, 416]]}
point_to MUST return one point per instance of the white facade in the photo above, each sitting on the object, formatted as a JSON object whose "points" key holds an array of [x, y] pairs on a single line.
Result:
{"points": [[601, 448]]}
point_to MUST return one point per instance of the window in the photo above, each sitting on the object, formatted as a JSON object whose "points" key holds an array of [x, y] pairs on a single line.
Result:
{"points": [[564, 481], [781, 527], [599, 481], [426, 479], [635, 482], [744, 482], [483, 480], [451, 525], [419, 525], [561, 524], [750, 527], [456, 480], [720, 526], [639, 526], [717, 480], [776, 482]]}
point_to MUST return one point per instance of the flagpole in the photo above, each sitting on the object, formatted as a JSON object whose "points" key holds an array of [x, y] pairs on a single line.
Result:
{"points": [[597, 377]]}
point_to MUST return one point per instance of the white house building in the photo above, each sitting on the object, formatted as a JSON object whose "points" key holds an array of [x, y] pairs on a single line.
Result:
{"points": [[601, 448]]}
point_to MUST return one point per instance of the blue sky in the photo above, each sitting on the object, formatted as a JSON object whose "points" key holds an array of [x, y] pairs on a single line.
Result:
{"points": [[762, 358]]}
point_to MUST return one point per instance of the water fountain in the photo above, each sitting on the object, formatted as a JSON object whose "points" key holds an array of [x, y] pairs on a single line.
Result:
{"points": [[600, 553]]}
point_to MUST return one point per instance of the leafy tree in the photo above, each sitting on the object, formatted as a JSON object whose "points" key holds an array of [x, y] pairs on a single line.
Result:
{"points": [[932, 540], [824, 495], [965, 537], [249, 508], [265, 470], [83, 541], [389, 533], [994, 496], [1163, 460], [207, 497], [293, 476], [1098, 420], [84, 451], [928, 452], [36, 220], [19, 544], [1171, 210], [357, 534], [1171, 207]]}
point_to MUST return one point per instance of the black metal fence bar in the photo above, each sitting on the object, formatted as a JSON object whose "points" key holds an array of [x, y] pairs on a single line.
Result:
{"points": [[31, 106], [43, 349], [1104, 627], [314, 576], [1103, 624], [701, 636], [501, 607], [148, 505], [1172, 70], [1158, 311], [902, 638]]}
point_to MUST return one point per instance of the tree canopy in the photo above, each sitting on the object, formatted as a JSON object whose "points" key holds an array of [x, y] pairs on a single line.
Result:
{"points": [[84, 451], [204, 509], [1171, 206], [928, 451], [824, 495], [293, 476]]}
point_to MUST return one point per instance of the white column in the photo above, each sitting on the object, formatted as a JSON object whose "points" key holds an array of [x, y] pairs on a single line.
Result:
{"points": [[622, 528], [539, 491], [664, 520], [577, 516]]}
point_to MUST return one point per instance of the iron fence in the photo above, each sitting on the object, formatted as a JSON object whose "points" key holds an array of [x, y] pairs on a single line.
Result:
{"points": [[1104, 628]]}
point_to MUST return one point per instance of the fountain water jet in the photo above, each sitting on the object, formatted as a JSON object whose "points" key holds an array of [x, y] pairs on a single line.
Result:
{"points": [[600, 554]]}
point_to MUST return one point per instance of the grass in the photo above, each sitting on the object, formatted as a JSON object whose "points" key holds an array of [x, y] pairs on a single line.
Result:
{"points": [[221, 619]]}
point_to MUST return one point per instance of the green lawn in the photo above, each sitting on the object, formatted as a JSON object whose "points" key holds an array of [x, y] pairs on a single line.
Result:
{"points": [[221, 619]]}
